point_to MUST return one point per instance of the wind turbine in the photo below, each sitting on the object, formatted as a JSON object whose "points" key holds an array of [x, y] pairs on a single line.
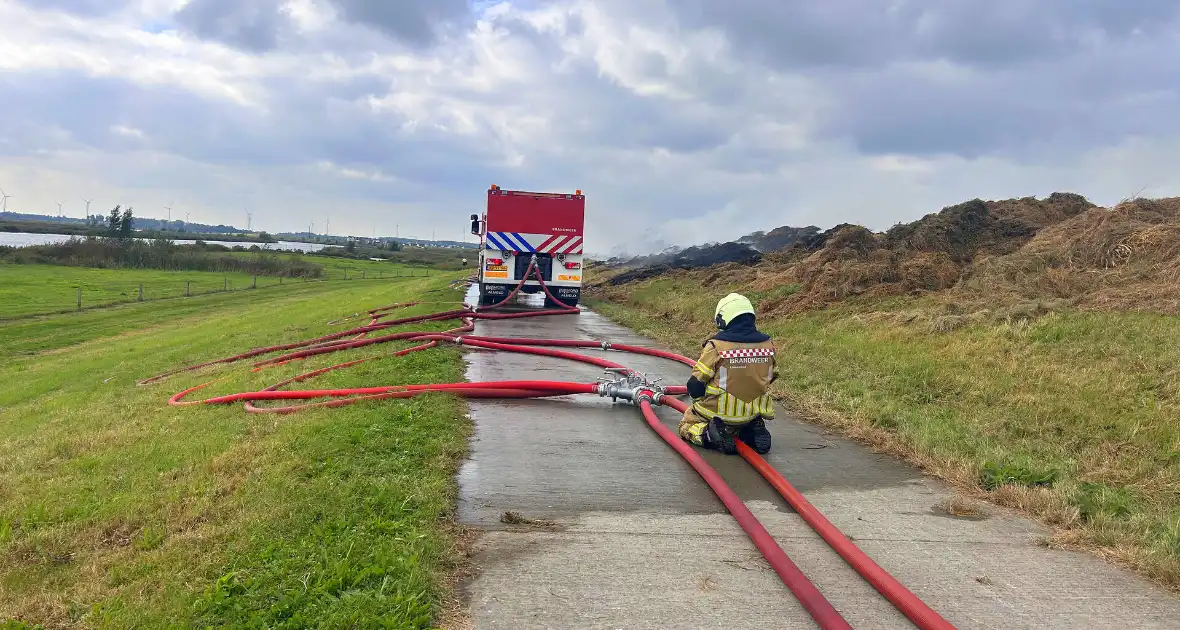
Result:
{"points": [[59, 208], [249, 221], [87, 207], [4, 197], [169, 209]]}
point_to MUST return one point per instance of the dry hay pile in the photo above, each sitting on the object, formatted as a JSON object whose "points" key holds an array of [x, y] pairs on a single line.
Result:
{"points": [[973, 228], [1060, 251], [691, 258], [780, 238], [1124, 258], [927, 255]]}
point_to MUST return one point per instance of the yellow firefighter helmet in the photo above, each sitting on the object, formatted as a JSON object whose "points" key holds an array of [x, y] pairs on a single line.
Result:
{"points": [[730, 307]]}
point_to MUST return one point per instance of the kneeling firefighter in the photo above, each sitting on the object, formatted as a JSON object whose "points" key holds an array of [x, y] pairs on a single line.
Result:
{"points": [[729, 382]]}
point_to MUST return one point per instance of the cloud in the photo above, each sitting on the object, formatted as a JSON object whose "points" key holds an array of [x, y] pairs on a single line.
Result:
{"points": [[798, 34], [79, 7], [130, 132], [253, 25], [352, 173], [683, 120], [414, 21]]}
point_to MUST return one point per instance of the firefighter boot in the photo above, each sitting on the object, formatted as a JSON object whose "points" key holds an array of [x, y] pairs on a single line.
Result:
{"points": [[719, 436], [755, 435]]}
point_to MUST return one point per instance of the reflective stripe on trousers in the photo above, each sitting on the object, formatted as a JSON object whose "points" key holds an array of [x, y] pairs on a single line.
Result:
{"points": [[731, 410]]}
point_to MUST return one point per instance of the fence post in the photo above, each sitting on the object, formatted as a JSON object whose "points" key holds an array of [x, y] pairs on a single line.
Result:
{"points": [[141, 292], [79, 298], [188, 288], [280, 279], [255, 286], [362, 274], [346, 275], [225, 284]]}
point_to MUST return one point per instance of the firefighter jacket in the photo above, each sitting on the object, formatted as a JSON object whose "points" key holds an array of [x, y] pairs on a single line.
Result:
{"points": [[736, 376]]}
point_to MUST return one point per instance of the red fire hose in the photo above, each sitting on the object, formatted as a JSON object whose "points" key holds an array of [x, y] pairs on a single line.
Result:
{"points": [[905, 601], [808, 595], [817, 606]]}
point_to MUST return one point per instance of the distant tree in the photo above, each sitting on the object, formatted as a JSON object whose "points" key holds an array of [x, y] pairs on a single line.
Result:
{"points": [[264, 237], [127, 224], [350, 246], [394, 246], [114, 222]]}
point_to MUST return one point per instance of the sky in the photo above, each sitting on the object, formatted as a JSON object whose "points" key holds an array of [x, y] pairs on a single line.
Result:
{"points": [[683, 121]]}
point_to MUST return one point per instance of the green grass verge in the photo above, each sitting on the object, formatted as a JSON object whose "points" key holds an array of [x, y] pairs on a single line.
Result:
{"points": [[118, 510], [1074, 417], [336, 267], [43, 289], [411, 258]]}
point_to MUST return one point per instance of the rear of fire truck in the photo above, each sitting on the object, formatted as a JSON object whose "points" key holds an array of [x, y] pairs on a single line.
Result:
{"points": [[519, 226]]}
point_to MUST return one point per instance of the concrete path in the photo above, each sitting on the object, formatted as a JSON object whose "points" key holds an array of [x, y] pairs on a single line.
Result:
{"points": [[627, 535]]}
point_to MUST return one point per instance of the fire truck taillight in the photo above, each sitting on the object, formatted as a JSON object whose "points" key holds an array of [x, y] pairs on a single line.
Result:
{"points": [[573, 265], [495, 261]]}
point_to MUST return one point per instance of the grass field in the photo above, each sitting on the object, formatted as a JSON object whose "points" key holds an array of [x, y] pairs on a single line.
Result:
{"points": [[335, 267], [433, 257], [37, 289], [1073, 417], [118, 510], [419, 258]]}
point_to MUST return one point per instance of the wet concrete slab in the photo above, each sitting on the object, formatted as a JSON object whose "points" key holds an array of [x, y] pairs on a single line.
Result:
{"points": [[637, 540]]}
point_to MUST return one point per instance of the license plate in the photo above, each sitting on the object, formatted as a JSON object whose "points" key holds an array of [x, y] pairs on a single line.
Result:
{"points": [[568, 278], [497, 267], [496, 274]]}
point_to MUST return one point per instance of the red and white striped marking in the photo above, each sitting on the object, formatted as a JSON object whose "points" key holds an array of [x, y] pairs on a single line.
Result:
{"points": [[738, 353], [561, 244]]}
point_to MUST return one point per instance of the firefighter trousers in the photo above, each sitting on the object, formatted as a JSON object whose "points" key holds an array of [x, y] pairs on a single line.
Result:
{"points": [[692, 427]]}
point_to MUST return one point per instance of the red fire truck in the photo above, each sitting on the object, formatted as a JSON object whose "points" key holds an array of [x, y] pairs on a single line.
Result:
{"points": [[520, 225]]}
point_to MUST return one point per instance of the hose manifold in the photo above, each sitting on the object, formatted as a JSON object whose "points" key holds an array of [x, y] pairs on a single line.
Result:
{"points": [[630, 386]]}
